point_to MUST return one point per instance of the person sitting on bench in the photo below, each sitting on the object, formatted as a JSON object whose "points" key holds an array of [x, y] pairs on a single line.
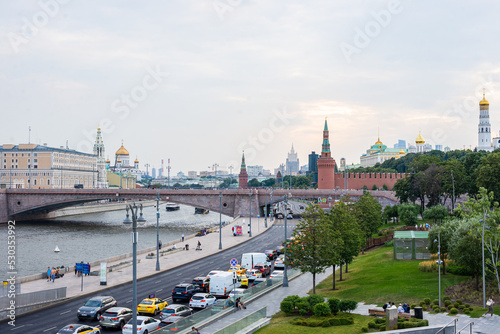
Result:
{"points": [[240, 304], [199, 246]]}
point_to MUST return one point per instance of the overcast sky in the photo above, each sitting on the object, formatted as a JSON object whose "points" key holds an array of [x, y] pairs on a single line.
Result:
{"points": [[198, 81]]}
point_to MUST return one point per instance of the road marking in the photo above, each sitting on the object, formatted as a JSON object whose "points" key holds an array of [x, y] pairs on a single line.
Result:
{"points": [[17, 327], [49, 329], [179, 274], [65, 312], [128, 301], [158, 290], [130, 290], [212, 262], [158, 281]]}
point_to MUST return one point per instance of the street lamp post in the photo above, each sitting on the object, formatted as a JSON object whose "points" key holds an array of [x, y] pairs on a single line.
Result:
{"points": [[439, 262], [265, 211], [453, 197], [250, 218], [220, 220], [285, 272], [271, 205], [482, 247], [157, 231], [133, 208]]}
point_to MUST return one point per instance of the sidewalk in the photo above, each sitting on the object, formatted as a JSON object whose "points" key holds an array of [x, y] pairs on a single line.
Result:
{"points": [[147, 267], [486, 324]]}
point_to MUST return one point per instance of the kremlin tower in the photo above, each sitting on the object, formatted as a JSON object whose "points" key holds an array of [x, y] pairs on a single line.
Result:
{"points": [[243, 177], [326, 164], [484, 127]]}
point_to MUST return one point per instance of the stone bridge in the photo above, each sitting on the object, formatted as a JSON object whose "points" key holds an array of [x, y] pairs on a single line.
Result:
{"points": [[16, 203]]}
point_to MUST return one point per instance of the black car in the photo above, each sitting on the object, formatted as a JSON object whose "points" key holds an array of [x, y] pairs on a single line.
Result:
{"points": [[184, 291], [96, 306], [202, 282], [115, 317], [271, 254], [279, 249]]}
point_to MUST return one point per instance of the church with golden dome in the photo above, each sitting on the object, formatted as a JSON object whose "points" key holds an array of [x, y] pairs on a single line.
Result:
{"points": [[379, 153], [122, 174]]}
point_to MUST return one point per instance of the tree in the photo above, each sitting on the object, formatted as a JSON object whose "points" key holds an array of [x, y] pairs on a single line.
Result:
{"points": [[368, 212], [227, 182], [253, 183], [391, 212], [374, 187], [269, 182], [435, 213], [311, 249], [453, 180], [408, 214], [444, 233], [488, 175]]}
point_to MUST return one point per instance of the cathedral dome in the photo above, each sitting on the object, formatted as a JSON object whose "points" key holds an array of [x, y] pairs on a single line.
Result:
{"points": [[136, 160], [484, 102], [420, 139], [402, 151], [122, 151], [119, 160], [378, 142]]}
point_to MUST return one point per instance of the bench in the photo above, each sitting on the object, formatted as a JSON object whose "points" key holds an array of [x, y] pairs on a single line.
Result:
{"points": [[377, 311], [406, 315]]}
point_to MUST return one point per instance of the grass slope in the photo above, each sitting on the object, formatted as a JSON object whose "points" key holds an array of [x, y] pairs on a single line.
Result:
{"points": [[376, 278]]}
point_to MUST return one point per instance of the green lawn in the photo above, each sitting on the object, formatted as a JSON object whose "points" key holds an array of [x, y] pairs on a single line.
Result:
{"points": [[376, 278], [280, 323]]}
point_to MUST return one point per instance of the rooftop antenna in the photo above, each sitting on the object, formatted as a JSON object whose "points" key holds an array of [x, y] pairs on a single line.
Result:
{"points": [[67, 147], [29, 134]]}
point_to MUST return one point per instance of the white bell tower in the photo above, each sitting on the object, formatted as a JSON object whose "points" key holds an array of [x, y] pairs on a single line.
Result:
{"points": [[484, 127]]}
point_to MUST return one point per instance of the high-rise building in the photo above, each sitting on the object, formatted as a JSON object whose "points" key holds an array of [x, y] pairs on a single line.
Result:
{"points": [[254, 171], [313, 162], [153, 173], [484, 127], [439, 147], [400, 144], [243, 177], [192, 174], [292, 162]]}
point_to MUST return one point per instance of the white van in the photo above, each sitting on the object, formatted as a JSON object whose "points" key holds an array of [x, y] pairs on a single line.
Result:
{"points": [[248, 260], [222, 283]]}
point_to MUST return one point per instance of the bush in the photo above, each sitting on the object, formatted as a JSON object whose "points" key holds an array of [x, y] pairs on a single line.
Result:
{"points": [[381, 328], [325, 323], [287, 307], [315, 299], [467, 305], [458, 270], [333, 303], [322, 310], [372, 324], [446, 298], [347, 305], [412, 306], [364, 329], [470, 308], [427, 301], [443, 309], [435, 302], [303, 307], [453, 311], [459, 301], [294, 299], [456, 305], [447, 303], [379, 321], [422, 304], [466, 311]]}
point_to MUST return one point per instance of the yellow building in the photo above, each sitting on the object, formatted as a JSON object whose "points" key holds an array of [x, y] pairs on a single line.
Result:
{"points": [[121, 180], [40, 166], [378, 153]]}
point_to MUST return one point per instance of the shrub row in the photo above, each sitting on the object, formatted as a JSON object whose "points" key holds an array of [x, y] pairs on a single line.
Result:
{"points": [[315, 322], [316, 304]]}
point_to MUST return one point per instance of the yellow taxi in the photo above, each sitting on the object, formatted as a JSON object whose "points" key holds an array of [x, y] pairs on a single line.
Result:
{"points": [[151, 305], [243, 281], [239, 271], [80, 329]]}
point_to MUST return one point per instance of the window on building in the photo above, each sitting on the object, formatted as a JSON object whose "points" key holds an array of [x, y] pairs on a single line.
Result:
{"points": [[48, 182], [34, 182]]}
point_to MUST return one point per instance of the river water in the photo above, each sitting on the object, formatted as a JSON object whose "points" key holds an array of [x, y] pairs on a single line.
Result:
{"points": [[95, 236]]}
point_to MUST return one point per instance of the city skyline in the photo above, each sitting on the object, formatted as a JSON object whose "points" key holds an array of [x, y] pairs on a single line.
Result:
{"points": [[201, 82]]}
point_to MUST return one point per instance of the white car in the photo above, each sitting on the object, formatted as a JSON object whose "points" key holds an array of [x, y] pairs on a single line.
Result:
{"points": [[278, 264], [144, 325], [202, 300], [253, 274], [236, 292], [214, 272], [276, 274]]}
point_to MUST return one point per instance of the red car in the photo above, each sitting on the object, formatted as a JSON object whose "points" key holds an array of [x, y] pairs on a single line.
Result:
{"points": [[263, 268]]}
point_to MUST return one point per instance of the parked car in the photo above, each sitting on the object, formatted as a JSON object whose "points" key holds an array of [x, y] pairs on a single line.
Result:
{"points": [[263, 268], [144, 325], [271, 254], [79, 329], [115, 317], [202, 300], [202, 282], [184, 291], [151, 305], [176, 310], [95, 306], [276, 274]]}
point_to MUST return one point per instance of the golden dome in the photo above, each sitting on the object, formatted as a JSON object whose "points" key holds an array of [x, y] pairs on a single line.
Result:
{"points": [[107, 160], [136, 160], [122, 150], [119, 160], [378, 142], [484, 102], [402, 151], [420, 139]]}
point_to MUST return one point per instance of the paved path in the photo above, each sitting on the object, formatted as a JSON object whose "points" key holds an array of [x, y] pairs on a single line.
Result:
{"points": [[147, 267], [486, 325]]}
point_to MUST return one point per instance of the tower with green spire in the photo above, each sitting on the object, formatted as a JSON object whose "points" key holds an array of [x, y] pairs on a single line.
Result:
{"points": [[326, 164], [243, 177]]}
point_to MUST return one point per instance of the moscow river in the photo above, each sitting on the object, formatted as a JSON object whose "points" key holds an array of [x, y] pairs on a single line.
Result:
{"points": [[95, 236]]}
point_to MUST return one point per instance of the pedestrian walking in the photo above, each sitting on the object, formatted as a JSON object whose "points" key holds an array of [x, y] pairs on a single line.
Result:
{"points": [[490, 304], [48, 274], [182, 237], [89, 270], [53, 274], [159, 244]]}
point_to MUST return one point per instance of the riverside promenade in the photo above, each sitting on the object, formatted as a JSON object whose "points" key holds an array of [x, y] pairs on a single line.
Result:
{"points": [[147, 267]]}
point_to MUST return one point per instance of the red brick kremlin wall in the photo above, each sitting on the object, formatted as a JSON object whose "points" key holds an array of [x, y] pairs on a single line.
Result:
{"points": [[358, 180]]}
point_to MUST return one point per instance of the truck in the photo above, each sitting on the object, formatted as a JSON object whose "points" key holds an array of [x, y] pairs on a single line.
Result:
{"points": [[248, 260], [222, 283]]}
